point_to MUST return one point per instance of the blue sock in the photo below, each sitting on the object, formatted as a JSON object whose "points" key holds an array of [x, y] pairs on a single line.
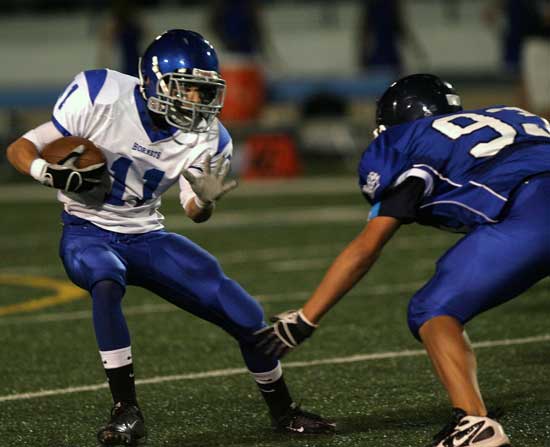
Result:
{"points": [[113, 340]]}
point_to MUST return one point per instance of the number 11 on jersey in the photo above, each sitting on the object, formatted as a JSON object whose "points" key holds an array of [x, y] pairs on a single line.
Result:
{"points": [[119, 169]]}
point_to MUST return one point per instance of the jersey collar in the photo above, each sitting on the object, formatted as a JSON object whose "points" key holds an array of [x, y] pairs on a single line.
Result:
{"points": [[155, 134]]}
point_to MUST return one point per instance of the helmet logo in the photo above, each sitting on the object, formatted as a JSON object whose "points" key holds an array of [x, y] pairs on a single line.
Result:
{"points": [[372, 184]]}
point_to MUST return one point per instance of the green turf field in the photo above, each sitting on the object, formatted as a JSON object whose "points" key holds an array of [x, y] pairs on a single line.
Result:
{"points": [[193, 390]]}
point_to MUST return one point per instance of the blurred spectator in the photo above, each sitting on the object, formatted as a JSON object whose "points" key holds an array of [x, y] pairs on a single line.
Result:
{"points": [[237, 25], [382, 31], [517, 18], [526, 48], [239, 30], [536, 59], [121, 38]]}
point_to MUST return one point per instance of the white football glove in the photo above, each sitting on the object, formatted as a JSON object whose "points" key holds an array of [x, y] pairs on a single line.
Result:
{"points": [[209, 186], [65, 175]]}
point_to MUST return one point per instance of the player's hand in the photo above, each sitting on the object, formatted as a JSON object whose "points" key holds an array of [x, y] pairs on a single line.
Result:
{"points": [[289, 329], [210, 186], [65, 175]]}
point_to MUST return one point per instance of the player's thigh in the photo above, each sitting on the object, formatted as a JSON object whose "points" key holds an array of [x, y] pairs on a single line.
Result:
{"points": [[88, 259], [185, 274], [487, 267]]}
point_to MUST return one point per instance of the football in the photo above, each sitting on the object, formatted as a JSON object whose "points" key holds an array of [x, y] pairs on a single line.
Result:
{"points": [[59, 149]]}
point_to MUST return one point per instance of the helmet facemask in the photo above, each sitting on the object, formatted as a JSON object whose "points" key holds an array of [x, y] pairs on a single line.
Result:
{"points": [[172, 100]]}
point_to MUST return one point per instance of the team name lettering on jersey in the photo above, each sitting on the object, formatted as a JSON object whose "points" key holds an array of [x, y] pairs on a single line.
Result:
{"points": [[138, 147]]}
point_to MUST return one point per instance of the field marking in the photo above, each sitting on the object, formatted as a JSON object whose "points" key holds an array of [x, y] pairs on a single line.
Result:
{"points": [[323, 263], [278, 216], [299, 364], [309, 259], [64, 291], [253, 255], [31, 191], [264, 298], [164, 307]]}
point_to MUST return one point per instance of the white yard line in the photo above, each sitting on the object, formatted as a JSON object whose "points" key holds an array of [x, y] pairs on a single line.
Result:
{"points": [[274, 216], [299, 265], [32, 191], [322, 263], [237, 371], [254, 255], [291, 296]]}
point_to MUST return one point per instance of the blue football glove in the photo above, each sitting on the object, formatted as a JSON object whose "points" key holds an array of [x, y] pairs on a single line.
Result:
{"points": [[289, 329]]}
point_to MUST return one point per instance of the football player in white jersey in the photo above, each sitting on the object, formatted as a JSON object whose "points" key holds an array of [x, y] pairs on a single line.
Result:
{"points": [[154, 131]]}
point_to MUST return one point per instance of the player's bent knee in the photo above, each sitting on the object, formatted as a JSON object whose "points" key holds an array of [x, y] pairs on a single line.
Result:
{"points": [[418, 314], [418, 317], [414, 327], [108, 291], [239, 306]]}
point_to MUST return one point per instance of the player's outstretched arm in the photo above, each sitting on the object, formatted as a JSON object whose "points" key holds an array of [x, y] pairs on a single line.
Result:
{"points": [[350, 266], [293, 327]]}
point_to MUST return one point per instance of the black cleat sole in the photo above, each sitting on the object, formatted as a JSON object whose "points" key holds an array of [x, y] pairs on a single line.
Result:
{"points": [[118, 439]]}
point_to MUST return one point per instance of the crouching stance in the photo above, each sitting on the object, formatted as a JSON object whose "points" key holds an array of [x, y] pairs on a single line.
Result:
{"points": [[482, 172], [156, 131]]}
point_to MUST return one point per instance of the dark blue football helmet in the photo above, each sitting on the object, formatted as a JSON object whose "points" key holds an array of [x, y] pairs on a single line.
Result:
{"points": [[175, 64], [414, 97]]}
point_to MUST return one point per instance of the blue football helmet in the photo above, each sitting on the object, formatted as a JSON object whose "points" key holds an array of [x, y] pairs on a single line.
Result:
{"points": [[180, 80], [414, 97]]}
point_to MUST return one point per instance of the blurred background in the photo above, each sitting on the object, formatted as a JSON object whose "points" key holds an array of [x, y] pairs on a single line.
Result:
{"points": [[302, 75]]}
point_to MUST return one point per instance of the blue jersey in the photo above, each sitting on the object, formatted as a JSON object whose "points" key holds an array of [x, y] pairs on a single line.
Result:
{"points": [[471, 162]]}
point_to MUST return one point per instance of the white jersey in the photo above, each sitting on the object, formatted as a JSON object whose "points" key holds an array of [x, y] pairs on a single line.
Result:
{"points": [[143, 161]]}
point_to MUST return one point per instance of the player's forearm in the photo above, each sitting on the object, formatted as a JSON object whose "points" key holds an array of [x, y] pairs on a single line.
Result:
{"points": [[350, 266], [346, 270], [21, 153]]}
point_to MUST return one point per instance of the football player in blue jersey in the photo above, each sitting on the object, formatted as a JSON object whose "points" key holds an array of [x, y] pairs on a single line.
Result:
{"points": [[482, 172], [155, 131]]}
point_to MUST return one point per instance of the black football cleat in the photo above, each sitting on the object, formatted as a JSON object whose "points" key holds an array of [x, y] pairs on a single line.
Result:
{"points": [[126, 426], [298, 421], [470, 431]]}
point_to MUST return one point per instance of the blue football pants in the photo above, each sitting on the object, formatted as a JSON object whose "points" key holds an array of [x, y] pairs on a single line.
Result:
{"points": [[493, 263], [170, 266]]}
